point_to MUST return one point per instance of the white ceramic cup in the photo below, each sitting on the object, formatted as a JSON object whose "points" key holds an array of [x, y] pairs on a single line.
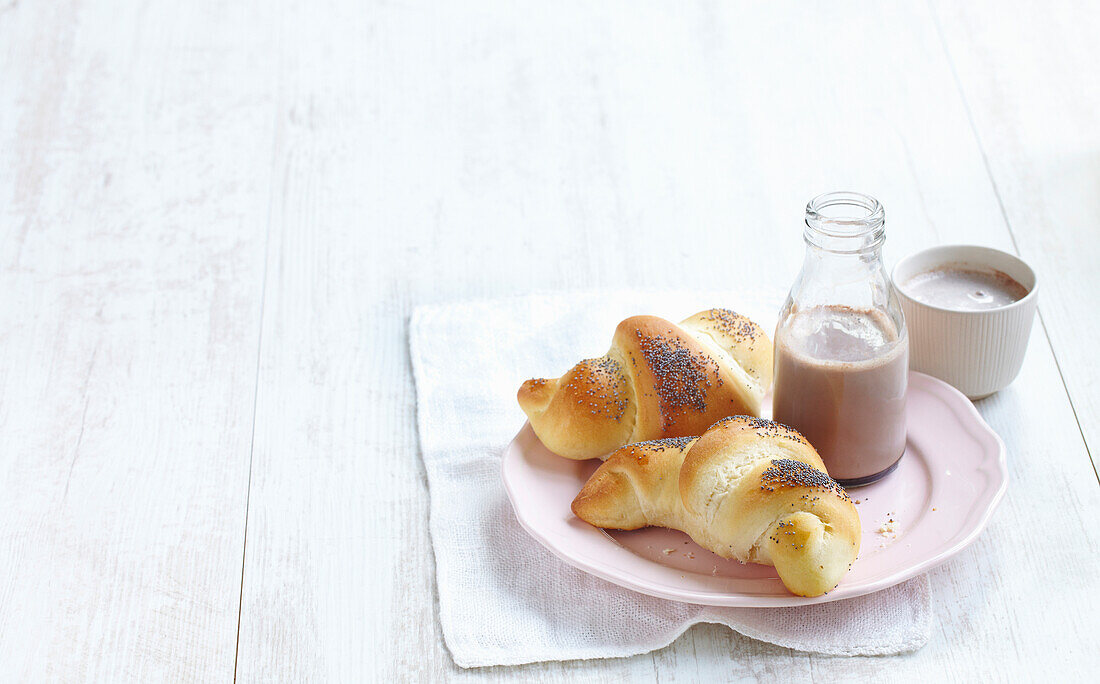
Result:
{"points": [[979, 352]]}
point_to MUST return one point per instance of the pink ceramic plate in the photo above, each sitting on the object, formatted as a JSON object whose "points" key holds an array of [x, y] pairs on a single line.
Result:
{"points": [[951, 478]]}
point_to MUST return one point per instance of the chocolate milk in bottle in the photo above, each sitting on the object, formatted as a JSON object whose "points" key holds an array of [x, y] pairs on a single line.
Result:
{"points": [[841, 348]]}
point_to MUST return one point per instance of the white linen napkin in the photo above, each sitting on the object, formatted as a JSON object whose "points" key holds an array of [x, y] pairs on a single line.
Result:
{"points": [[503, 598]]}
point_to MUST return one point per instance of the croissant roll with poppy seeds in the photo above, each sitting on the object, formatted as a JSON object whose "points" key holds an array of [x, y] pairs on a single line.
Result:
{"points": [[658, 380], [748, 488]]}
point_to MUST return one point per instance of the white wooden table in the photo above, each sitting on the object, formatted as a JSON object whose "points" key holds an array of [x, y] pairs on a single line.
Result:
{"points": [[216, 217]]}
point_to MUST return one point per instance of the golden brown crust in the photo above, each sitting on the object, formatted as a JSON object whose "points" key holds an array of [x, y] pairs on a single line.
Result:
{"points": [[747, 488], [681, 388], [589, 409], [633, 488], [735, 433], [658, 380], [740, 337]]}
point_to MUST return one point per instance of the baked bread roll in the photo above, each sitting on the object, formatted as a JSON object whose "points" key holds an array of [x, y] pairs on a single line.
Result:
{"points": [[657, 380], [748, 488]]}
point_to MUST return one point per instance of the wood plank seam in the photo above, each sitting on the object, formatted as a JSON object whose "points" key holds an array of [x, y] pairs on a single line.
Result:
{"points": [[255, 403], [1062, 377]]}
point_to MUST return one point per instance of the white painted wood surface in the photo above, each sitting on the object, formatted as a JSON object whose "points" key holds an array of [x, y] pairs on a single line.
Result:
{"points": [[134, 179], [1031, 80], [215, 220]]}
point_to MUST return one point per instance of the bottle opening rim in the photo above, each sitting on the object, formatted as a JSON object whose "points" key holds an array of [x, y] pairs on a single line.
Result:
{"points": [[845, 221]]}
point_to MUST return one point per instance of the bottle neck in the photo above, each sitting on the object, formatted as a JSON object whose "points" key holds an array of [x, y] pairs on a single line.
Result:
{"points": [[845, 223], [821, 266], [843, 265], [871, 255]]}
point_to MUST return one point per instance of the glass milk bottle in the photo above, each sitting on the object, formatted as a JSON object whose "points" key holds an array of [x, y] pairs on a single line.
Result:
{"points": [[841, 349]]}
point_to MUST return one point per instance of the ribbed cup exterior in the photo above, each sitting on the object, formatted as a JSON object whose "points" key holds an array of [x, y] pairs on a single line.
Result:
{"points": [[979, 352]]}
